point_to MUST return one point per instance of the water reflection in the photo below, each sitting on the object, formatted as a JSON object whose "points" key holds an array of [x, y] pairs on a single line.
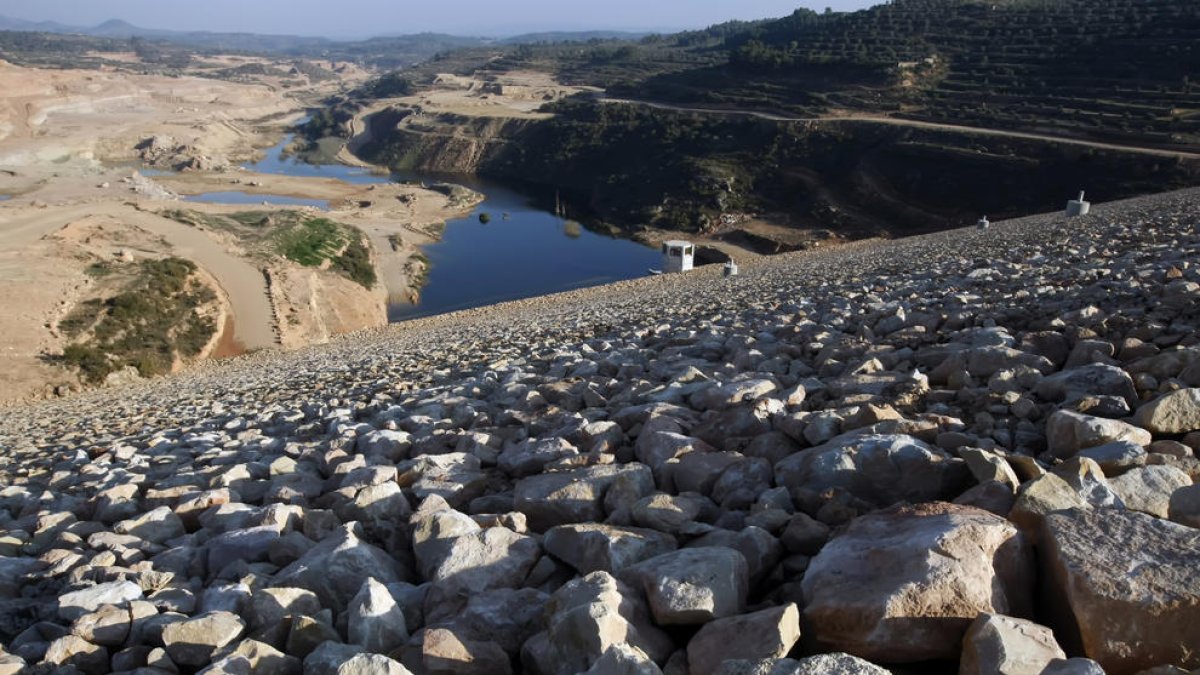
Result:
{"points": [[235, 197], [531, 252]]}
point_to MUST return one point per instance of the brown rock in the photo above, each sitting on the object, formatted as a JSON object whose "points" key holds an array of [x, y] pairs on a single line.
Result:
{"points": [[445, 653], [1125, 588], [1039, 497], [1176, 413], [904, 584], [1069, 432]]}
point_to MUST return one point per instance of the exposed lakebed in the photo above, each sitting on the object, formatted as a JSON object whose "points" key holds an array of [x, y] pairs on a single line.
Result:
{"points": [[522, 251]]}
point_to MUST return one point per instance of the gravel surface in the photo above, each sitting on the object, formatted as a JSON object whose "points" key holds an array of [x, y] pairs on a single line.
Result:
{"points": [[656, 476]]}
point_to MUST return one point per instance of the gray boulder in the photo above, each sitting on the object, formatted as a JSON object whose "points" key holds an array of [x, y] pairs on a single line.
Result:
{"points": [[593, 547], [879, 469], [694, 585], [575, 496], [587, 617], [336, 568], [1149, 488], [374, 620], [1005, 645], [194, 642], [766, 634]]}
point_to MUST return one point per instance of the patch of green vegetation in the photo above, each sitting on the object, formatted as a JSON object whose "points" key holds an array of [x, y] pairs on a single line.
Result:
{"points": [[297, 236], [355, 264], [485, 217], [155, 319], [99, 269], [311, 242], [195, 218], [81, 318], [258, 219]]}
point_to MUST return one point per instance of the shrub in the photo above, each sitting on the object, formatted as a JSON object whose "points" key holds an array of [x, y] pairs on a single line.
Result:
{"points": [[355, 264]]}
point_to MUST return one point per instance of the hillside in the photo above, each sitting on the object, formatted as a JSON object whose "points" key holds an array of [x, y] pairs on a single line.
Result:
{"points": [[912, 116], [1112, 69], [893, 442]]}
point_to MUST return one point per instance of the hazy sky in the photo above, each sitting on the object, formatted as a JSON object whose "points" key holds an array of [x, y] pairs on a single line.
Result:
{"points": [[360, 18]]}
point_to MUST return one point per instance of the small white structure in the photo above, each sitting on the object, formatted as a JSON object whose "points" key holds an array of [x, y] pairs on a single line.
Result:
{"points": [[983, 223], [678, 256], [731, 268], [1078, 207]]}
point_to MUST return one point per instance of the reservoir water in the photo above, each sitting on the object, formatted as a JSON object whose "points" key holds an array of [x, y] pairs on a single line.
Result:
{"points": [[235, 197], [526, 253], [523, 251]]}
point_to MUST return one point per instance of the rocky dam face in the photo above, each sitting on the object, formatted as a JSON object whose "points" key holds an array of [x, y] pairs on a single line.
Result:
{"points": [[970, 451]]}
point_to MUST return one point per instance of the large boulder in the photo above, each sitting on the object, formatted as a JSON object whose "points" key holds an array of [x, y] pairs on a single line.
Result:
{"points": [[73, 654], [1092, 379], [505, 616], [1069, 432], [904, 584], [155, 526], [251, 545], [766, 634], [374, 620], [75, 604], [336, 568], [624, 660], [577, 496], [445, 652], [1042, 495], [255, 658], [587, 617], [1124, 588], [495, 557], [1149, 488], [879, 469], [1175, 413], [194, 642], [531, 456], [590, 547], [1184, 506], [694, 585], [1002, 645]]}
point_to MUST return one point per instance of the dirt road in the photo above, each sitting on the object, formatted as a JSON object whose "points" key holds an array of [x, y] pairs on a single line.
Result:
{"points": [[892, 121], [242, 282]]}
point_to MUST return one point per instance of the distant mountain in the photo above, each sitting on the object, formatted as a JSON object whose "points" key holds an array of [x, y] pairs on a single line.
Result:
{"points": [[35, 26], [405, 49], [116, 28]]}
